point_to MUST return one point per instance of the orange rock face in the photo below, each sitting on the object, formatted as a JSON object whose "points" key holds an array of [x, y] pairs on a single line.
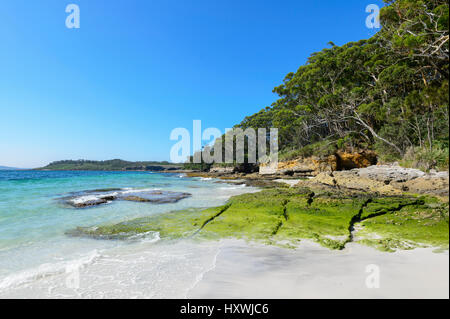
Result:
{"points": [[311, 166], [355, 160]]}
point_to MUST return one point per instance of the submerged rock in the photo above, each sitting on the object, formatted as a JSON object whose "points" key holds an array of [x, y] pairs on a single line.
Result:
{"points": [[104, 190], [87, 203], [135, 199], [157, 197], [90, 198]]}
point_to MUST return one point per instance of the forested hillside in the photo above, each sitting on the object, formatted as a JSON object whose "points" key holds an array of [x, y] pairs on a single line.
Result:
{"points": [[109, 165], [388, 93]]}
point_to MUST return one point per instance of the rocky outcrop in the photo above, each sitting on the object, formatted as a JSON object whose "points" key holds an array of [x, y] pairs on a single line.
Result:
{"points": [[268, 169], [349, 180], [389, 173], [386, 180], [312, 166], [244, 168], [433, 183], [222, 170], [350, 160], [91, 202], [278, 217]]}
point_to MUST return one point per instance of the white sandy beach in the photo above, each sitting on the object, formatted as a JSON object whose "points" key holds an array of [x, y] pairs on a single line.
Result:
{"points": [[311, 271], [236, 269]]}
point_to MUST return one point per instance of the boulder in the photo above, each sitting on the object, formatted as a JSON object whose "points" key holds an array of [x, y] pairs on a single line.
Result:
{"points": [[268, 169], [350, 160], [222, 170]]}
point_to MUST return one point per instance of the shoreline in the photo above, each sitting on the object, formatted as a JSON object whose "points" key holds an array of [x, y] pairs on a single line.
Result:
{"points": [[282, 214], [273, 261], [236, 269]]}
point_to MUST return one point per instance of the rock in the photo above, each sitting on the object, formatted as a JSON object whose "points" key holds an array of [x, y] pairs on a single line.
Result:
{"points": [[385, 180], [268, 169], [312, 166], [222, 170], [103, 190], [246, 168], [390, 173], [135, 199], [91, 198], [328, 164], [428, 184], [361, 159], [348, 182], [325, 178], [263, 183], [88, 203], [156, 197]]}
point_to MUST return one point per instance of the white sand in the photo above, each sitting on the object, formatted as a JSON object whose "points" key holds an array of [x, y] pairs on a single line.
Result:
{"points": [[235, 269], [311, 271]]}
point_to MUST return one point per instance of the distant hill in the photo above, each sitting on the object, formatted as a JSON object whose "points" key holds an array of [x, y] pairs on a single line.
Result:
{"points": [[110, 165], [6, 168]]}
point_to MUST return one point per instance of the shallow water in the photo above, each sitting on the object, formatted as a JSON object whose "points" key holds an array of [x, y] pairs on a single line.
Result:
{"points": [[35, 252]]}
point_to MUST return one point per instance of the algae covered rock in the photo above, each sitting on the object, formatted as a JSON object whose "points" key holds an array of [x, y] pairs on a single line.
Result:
{"points": [[288, 215]]}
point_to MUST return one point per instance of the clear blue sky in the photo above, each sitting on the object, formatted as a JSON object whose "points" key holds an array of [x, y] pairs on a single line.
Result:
{"points": [[135, 70]]}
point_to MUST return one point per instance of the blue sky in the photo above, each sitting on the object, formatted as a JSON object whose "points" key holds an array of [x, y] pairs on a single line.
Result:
{"points": [[135, 70]]}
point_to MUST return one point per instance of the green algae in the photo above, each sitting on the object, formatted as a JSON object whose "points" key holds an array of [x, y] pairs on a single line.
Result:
{"points": [[325, 220], [284, 216], [407, 226], [171, 225]]}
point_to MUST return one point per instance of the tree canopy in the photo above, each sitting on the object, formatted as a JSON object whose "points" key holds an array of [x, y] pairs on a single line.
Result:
{"points": [[389, 92]]}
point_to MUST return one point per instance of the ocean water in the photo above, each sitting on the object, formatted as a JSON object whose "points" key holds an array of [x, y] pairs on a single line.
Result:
{"points": [[37, 259]]}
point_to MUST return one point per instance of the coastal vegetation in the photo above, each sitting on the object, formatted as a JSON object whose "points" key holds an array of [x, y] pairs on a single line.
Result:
{"points": [[109, 165], [388, 93]]}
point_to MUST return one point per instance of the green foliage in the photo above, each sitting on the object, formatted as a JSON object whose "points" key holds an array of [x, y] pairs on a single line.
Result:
{"points": [[389, 92], [203, 167], [321, 149], [426, 158]]}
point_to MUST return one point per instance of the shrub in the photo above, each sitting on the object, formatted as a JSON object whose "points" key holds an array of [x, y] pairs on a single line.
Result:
{"points": [[425, 158]]}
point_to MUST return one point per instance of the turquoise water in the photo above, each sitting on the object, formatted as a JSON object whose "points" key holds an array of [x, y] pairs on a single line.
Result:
{"points": [[33, 219]]}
